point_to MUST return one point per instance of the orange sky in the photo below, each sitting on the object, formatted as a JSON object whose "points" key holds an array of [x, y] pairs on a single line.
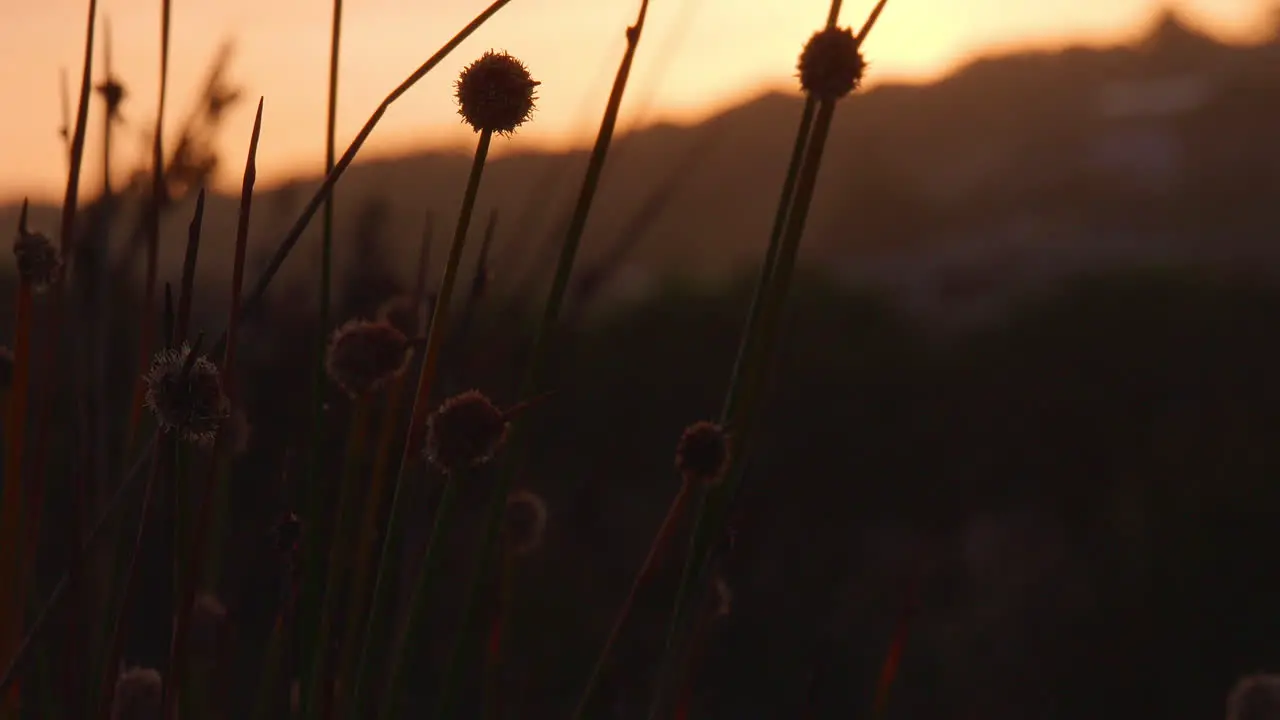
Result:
{"points": [[697, 56]]}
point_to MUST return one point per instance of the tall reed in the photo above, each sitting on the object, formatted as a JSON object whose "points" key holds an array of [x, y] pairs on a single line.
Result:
{"points": [[541, 344]]}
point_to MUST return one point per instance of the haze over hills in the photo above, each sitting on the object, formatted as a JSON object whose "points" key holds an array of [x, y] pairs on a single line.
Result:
{"points": [[1012, 172]]}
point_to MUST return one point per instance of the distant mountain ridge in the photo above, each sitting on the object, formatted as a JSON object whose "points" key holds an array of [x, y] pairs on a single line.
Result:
{"points": [[1003, 176]]}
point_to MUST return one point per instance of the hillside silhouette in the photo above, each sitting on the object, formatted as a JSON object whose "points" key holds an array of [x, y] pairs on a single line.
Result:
{"points": [[1013, 171]]}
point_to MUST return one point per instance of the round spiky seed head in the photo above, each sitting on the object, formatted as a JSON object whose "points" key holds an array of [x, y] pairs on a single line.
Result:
{"points": [[831, 65], [364, 355], [702, 455], [138, 695], [190, 404], [6, 367], [1255, 697], [526, 521], [465, 431], [496, 93], [38, 261]]}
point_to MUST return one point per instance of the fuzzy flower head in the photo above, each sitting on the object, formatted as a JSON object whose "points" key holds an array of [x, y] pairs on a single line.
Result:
{"points": [[831, 65], [702, 455], [6, 367], [496, 93], [38, 261], [526, 521], [190, 404], [465, 432], [1255, 697], [138, 695], [363, 356]]}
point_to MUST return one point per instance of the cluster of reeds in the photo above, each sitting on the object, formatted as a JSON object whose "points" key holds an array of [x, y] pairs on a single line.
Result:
{"points": [[338, 648]]}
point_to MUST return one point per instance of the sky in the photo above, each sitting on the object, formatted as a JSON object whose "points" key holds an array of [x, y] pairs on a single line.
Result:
{"points": [[696, 57]]}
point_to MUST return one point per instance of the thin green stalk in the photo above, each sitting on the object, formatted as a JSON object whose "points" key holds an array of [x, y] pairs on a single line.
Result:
{"points": [[146, 332], [541, 343], [359, 587], [318, 491], [349, 500], [426, 378], [275, 660], [396, 675], [17, 664], [161, 469], [674, 512], [741, 405], [250, 178], [743, 364], [716, 512]]}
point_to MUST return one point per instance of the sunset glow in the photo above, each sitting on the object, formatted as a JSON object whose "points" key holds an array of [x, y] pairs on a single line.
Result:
{"points": [[697, 56]]}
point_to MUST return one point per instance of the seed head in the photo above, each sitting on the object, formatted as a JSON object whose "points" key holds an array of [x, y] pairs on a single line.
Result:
{"points": [[465, 432], [190, 404], [38, 261], [831, 65], [496, 93], [702, 454], [138, 695], [363, 356], [1254, 697], [6, 367], [526, 521]]}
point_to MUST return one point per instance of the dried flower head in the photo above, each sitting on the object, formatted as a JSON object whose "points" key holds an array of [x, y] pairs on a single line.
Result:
{"points": [[496, 93], [187, 402], [138, 695], [38, 261], [465, 431], [526, 521], [1255, 697], [6, 367], [702, 454], [364, 355], [831, 65]]}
